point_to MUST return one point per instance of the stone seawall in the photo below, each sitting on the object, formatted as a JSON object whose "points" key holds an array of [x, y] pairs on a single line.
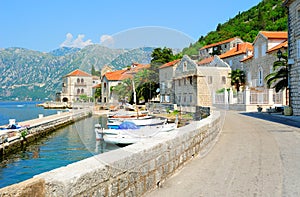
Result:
{"points": [[129, 171]]}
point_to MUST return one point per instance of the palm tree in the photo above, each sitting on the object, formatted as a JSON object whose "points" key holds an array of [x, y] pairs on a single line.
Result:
{"points": [[278, 79], [238, 78]]}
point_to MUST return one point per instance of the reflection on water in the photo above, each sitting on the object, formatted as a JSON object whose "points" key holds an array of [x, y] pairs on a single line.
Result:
{"points": [[67, 145]]}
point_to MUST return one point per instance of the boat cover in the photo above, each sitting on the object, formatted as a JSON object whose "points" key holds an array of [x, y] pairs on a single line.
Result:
{"points": [[128, 125]]}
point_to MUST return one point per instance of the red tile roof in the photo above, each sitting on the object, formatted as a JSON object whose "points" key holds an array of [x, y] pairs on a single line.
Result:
{"points": [[172, 63], [247, 58], [275, 34], [281, 45], [206, 60], [126, 73], [237, 50], [78, 72], [115, 75], [218, 43]]}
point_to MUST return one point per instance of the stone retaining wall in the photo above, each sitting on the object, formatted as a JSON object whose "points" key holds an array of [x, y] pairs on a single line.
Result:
{"points": [[129, 171]]}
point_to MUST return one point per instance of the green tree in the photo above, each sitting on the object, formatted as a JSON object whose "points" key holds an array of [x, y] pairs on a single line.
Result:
{"points": [[278, 79], [98, 94], [238, 78]]}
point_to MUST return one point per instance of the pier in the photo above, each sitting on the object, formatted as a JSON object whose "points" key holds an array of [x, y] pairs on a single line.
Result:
{"points": [[39, 127]]}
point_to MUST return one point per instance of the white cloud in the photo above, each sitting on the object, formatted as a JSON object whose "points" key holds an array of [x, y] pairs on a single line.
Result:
{"points": [[107, 40], [78, 42]]}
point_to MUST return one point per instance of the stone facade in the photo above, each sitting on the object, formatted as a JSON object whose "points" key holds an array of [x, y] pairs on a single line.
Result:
{"points": [[261, 63], [222, 46], [294, 53], [75, 84], [130, 171], [166, 74], [194, 84]]}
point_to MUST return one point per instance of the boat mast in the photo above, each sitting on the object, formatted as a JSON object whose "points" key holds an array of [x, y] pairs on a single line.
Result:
{"points": [[134, 98]]}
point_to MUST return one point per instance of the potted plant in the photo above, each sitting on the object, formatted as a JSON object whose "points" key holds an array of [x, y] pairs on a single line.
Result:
{"points": [[259, 108]]}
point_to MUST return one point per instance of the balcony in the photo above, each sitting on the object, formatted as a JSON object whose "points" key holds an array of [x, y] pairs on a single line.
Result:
{"points": [[80, 84]]}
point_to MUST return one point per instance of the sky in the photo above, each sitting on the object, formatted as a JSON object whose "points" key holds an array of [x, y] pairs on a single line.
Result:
{"points": [[45, 25]]}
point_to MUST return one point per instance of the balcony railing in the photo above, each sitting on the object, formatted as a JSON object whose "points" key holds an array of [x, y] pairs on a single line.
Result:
{"points": [[80, 84]]}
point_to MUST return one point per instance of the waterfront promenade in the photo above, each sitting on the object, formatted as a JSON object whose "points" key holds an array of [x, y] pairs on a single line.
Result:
{"points": [[254, 156]]}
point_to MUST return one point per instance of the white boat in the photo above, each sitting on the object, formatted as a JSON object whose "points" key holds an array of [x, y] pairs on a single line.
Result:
{"points": [[130, 136], [136, 131], [121, 139], [117, 123]]}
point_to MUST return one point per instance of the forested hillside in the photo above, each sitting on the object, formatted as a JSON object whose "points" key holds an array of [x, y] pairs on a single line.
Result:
{"points": [[268, 15]]}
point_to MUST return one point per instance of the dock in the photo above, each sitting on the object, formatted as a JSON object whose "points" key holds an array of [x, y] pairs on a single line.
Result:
{"points": [[15, 140]]}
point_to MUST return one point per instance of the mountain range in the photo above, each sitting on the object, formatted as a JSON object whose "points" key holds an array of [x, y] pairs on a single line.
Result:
{"points": [[28, 74]]}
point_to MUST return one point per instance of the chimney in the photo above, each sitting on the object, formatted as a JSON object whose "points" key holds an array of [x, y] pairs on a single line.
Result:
{"points": [[237, 46]]}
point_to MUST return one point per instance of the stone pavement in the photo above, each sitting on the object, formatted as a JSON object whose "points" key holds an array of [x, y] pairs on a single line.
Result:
{"points": [[257, 154]]}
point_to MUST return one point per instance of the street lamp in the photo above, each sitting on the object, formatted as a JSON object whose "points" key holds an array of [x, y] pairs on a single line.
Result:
{"points": [[279, 54]]}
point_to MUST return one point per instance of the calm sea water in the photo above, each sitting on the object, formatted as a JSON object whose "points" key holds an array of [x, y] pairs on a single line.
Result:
{"points": [[67, 145], [21, 111]]}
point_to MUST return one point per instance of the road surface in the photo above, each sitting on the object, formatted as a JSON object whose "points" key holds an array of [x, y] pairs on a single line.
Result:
{"points": [[253, 157]]}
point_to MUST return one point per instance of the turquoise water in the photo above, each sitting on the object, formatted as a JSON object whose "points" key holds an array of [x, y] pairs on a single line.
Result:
{"points": [[67, 145], [21, 111]]}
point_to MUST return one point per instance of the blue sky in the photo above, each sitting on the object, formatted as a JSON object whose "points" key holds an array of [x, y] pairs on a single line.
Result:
{"points": [[45, 25]]}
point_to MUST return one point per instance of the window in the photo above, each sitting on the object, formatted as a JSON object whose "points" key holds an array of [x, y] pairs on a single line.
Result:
{"points": [[209, 79], [184, 81], [256, 52], [78, 80], [167, 98], [263, 50], [298, 49], [179, 82], [162, 98], [184, 98], [223, 80], [191, 80], [260, 76], [163, 86], [185, 66], [230, 63], [82, 81], [191, 98], [78, 91]]}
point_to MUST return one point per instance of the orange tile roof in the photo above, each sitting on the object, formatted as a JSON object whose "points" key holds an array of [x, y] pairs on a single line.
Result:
{"points": [[218, 43], [281, 45], [206, 60], [114, 75], [78, 72], [237, 50], [275, 34], [246, 58], [97, 85], [126, 73], [172, 63]]}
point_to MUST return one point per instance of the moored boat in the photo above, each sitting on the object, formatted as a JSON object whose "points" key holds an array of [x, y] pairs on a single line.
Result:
{"points": [[117, 124]]}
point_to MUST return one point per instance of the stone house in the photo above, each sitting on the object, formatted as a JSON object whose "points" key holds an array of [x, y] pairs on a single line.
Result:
{"points": [[294, 53], [218, 48], [166, 83], [234, 56], [260, 64], [194, 84], [75, 84], [111, 79]]}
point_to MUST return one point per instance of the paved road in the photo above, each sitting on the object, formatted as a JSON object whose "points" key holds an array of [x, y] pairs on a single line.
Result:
{"points": [[253, 157]]}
